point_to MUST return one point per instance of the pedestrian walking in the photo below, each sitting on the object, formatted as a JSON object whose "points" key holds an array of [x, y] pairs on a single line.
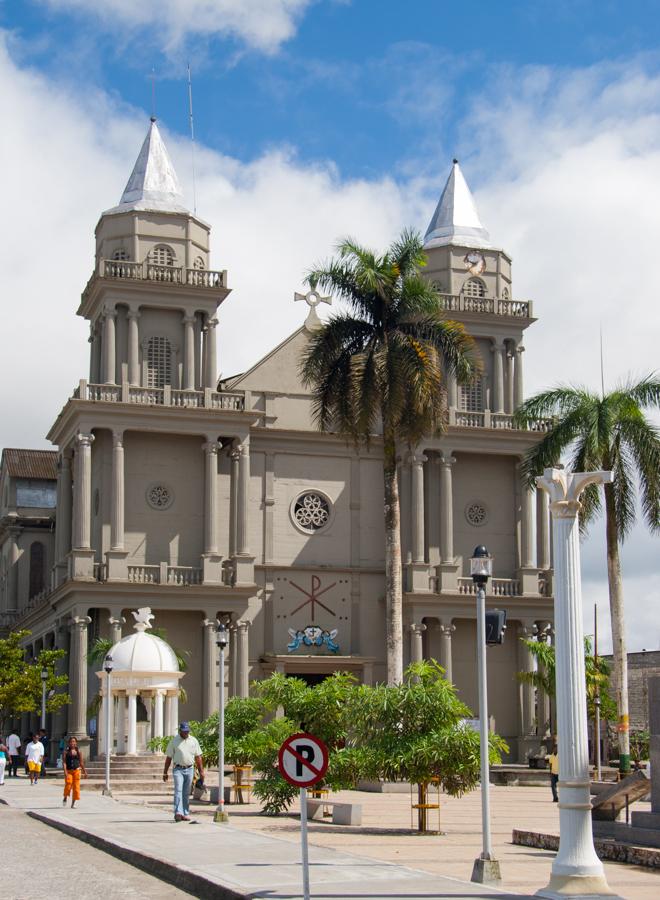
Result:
{"points": [[4, 759], [74, 768], [184, 752], [34, 754], [14, 745], [553, 762], [43, 737]]}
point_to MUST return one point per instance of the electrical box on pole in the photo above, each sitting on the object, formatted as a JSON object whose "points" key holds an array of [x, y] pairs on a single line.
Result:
{"points": [[495, 626]]}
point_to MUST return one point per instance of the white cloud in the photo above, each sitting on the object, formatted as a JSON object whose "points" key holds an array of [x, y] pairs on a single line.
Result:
{"points": [[262, 24], [570, 194]]}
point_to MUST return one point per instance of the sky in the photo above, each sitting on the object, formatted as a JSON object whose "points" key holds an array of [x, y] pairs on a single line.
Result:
{"points": [[316, 119]]}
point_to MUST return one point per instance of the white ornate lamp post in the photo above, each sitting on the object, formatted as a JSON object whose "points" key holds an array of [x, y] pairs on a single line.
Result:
{"points": [[486, 869], [44, 679], [221, 639], [107, 665], [576, 868]]}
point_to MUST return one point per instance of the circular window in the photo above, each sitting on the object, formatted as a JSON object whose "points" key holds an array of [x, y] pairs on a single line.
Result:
{"points": [[311, 511], [476, 513], [159, 496]]}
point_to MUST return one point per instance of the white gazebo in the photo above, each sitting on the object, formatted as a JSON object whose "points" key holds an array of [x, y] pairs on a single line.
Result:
{"points": [[144, 666]]}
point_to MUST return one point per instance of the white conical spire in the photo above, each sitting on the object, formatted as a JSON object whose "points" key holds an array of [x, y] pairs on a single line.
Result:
{"points": [[153, 184], [456, 220]]}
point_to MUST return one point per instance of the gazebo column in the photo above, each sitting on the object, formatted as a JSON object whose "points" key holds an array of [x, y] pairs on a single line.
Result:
{"points": [[159, 697], [131, 748], [120, 727], [171, 712]]}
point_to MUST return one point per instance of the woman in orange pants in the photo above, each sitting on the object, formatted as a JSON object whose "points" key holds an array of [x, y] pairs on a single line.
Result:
{"points": [[74, 766]]}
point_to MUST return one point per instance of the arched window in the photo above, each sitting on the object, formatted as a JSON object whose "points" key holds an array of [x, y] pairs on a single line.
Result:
{"points": [[199, 263], [474, 287], [162, 255], [159, 362], [471, 396], [120, 254], [37, 561]]}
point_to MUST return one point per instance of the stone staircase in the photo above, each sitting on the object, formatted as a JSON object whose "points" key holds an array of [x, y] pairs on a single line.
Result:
{"points": [[128, 774]]}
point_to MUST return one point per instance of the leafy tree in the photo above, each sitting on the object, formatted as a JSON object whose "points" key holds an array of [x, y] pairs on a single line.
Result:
{"points": [[607, 432], [597, 675], [382, 366], [20, 681]]}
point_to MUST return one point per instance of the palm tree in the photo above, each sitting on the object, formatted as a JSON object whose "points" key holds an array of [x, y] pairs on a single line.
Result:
{"points": [[607, 432], [382, 365]]}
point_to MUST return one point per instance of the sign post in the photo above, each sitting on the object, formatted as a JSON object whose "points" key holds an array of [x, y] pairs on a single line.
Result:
{"points": [[303, 761]]}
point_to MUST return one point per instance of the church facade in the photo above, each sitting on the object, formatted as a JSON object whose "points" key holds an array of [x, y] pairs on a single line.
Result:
{"points": [[206, 500]]}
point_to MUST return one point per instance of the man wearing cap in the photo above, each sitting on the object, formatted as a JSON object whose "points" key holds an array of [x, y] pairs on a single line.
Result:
{"points": [[184, 751]]}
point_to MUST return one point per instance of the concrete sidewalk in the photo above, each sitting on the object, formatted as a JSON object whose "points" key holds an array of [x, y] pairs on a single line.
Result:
{"points": [[220, 861]]}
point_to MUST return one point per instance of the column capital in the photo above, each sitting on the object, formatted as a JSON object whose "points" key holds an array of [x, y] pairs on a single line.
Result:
{"points": [[416, 458], [565, 488], [243, 625], [211, 323], [497, 345], [527, 628], [234, 454], [117, 438], [446, 629], [417, 627], [116, 620], [109, 312], [209, 623], [132, 314], [188, 318], [446, 459], [132, 692], [211, 447], [79, 622], [84, 440], [519, 348]]}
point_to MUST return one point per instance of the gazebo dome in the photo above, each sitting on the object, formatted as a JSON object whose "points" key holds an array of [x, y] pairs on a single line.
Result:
{"points": [[143, 652]]}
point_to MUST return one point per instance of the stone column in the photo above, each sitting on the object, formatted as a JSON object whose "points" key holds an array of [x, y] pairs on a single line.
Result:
{"points": [[542, 698], [446, 629], [131, 748], [117, 496], [211, 560], [116, 621], [83, 492], [509, 407], [527, 498], [64, 500], [543, 530], [417, 461], [78, 678], [446, 509], [576, 868], [234, 457], [210, 663], [526, 631], [93, 353], [243, 661], [243, 499], [133, 347], [189, 355], [120, 727], [416, 642], [518, 376], [109, 350], [452, 391], [498, 350], [211, 355], [159, 697]]}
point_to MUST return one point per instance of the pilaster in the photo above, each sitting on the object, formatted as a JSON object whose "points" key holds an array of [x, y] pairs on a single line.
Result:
{"points": [[211, 560], [78, 679], [82, 556]]}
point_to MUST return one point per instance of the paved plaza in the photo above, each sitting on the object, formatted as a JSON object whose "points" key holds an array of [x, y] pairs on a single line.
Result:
{"points": [[259, 856]]}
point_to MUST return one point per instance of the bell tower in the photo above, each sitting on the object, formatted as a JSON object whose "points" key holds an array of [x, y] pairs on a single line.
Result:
{"points": [[152, 299]]}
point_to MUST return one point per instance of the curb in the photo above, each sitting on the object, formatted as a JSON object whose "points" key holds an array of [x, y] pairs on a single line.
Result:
{"points": [[609, 850], [179, 876]]}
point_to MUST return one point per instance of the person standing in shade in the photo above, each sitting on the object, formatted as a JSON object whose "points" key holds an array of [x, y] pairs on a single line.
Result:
{"points": [[14, 745], [184, 752], [34, 754], [4, 759], [43, 737], [553, 762], [74, 766]]}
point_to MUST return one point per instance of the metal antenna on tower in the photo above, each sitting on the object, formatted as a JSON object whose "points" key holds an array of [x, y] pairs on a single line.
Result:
{"points": [[602, 368], [192, 139], [153, 94]]}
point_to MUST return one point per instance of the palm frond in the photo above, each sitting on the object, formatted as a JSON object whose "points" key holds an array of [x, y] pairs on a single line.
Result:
{"points": [[642, 440]]}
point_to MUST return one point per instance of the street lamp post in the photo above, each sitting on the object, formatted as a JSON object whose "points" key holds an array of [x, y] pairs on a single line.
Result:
{"points": [[221, 639], [486, 869], [107, 665], [44, 679], [576, 869]]}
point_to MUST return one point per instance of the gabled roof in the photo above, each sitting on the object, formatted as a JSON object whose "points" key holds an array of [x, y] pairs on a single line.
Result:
{"points": [[456, 220], [153, 185], [41, 464]]}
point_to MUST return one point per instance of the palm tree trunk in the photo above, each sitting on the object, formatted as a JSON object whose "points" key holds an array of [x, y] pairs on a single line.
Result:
{"points": [[618, 629], [393, 586]]}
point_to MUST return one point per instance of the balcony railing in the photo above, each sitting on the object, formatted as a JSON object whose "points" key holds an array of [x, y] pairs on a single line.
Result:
{"points": [[165, 396], [164, 574], [515, 309], [148, 271], [496, 587], [499, 421]]}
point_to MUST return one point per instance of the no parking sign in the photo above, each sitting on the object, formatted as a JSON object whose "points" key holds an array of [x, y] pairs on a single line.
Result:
{"points": [[303, 761]]}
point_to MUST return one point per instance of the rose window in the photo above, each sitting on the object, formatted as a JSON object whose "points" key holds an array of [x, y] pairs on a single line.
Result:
{"points": [[476, 513], [159, 496], [311, 512]]}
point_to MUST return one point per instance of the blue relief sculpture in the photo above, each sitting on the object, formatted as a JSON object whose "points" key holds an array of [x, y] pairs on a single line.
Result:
{"points": [[313, 636]]}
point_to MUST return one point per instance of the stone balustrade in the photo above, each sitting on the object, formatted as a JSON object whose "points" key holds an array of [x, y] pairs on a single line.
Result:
{"points": [[165, 396], [498, 421], [496, 587], [516, 309], [209, 279]]}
